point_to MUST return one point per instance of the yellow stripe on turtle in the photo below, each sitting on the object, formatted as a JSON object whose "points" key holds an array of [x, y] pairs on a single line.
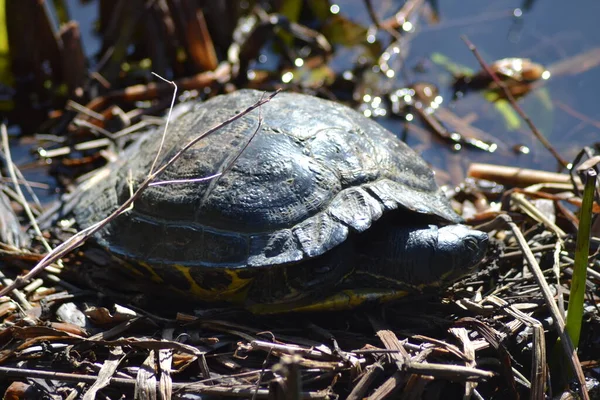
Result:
{"points": [[344, 300], [148, 270], [235, 292]]}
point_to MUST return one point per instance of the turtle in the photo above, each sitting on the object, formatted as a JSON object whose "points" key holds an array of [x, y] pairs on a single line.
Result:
{"points": [[312, 206]]}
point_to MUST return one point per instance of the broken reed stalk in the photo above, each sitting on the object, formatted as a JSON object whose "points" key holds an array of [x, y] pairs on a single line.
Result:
{"points": [[236, 391], [538, 354], [559, 323], [516, 176], [11, 171], [514, 104], [79, 238]]}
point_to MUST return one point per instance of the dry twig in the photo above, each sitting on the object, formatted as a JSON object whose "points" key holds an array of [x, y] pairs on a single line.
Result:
{"points": [[559, 323]]}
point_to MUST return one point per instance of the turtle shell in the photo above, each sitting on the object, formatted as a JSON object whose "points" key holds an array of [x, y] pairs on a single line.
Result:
{"points": [[313, 172]]}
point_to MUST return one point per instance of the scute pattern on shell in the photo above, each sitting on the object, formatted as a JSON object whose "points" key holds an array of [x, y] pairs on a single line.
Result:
{"points": [[315, 171]]}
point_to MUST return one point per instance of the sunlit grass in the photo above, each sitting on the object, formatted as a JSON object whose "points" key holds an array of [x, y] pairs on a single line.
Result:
{"points": [[577, 293]]}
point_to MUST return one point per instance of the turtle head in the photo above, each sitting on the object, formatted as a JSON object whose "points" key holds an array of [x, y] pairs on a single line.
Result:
{"points": [[458, 251], [418, 257]]}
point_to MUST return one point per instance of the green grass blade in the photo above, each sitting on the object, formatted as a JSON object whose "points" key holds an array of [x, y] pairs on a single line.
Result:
{"points": [[576, 296]]}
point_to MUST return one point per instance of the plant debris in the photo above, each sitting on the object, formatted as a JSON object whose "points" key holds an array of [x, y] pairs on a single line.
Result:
{"points": [[492, 335]]}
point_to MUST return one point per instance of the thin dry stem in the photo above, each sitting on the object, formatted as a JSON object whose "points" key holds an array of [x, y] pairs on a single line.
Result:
{"points": [[13, 176], [514, 104], [227, 168], [534, 268], [162, 139]]}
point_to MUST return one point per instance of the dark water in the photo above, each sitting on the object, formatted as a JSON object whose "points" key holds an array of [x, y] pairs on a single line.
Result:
{"points": [[550, 32], [566, 108], [547, 32]]}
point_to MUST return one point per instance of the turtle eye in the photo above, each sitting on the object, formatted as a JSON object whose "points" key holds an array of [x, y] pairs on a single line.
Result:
{"points": [[471, 243], [475, 245]]}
